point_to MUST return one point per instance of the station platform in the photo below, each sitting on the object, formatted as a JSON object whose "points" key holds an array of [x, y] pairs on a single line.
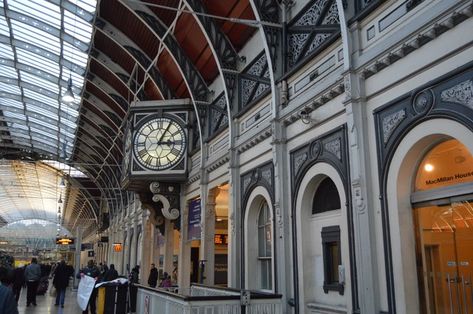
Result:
{"points": [[45, 304]]}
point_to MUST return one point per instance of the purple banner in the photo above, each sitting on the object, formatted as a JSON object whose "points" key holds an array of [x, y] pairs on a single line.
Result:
{"points": [[193, 228]]}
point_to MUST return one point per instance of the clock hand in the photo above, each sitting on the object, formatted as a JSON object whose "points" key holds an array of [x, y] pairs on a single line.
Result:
{"points": [[165, 131]]}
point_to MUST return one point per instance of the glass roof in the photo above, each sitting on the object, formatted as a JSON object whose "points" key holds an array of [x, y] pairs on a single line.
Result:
{"points": [[42, 45], [29, 190]]}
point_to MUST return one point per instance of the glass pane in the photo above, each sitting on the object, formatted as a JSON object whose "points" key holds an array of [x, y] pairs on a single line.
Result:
{"points": [[261, 242], [334, 260], [264, 274], [445, 254], [446, 164], [268, 242]]}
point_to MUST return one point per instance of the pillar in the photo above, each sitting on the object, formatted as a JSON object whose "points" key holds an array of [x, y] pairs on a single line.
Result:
{"points": [[184, 266], [207, 245], [77, 255], [168, 246]]}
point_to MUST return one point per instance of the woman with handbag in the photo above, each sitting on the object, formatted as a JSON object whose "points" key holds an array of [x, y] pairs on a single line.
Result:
{"points": [[61, 281]]}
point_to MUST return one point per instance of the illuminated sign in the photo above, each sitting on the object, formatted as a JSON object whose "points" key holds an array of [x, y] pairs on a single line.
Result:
{"points": [[117, 247], [221, 239], [64, 241]]}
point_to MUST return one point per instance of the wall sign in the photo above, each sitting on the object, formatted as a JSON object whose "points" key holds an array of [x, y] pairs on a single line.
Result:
{"points": [[117, 247], [193, 227], [64, 241], [221, 239]]}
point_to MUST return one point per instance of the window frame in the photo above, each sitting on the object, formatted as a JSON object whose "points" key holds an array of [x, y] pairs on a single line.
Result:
{"points": [[330, 235], [266, 258]]}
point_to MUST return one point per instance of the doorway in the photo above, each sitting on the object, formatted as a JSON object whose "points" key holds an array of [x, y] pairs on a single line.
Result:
{"points": [[445, 246], [443, 219]]}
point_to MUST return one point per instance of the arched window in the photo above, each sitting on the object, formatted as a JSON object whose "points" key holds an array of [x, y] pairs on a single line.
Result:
{"points": [[326, 197], [265, 247]]}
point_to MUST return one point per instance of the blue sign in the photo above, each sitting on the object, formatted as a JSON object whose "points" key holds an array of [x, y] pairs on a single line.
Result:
{"points": [[193, 227]]}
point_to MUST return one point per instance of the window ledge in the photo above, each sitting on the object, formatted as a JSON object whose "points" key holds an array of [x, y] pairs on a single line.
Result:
{"points": [[334, 287], [325, 308]]}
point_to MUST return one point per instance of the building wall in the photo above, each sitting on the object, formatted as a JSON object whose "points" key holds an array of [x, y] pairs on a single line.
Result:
{"points": [[359, 78]]}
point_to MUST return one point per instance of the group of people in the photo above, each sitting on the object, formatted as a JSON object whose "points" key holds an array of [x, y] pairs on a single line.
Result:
{"points": [[13, 280], [166, 281]]}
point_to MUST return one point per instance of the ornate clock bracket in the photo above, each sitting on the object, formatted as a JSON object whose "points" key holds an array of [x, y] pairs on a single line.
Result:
{"points": [[168, 196]]}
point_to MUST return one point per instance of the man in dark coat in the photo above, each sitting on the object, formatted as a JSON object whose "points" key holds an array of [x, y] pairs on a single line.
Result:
{"points": [[153, 276], [18, 281], [62, 274], [111, 273]]}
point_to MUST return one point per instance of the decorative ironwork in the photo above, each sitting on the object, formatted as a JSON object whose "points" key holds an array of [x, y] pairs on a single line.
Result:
{"points": [[254, 81], [226, 53], [197, 84], [218, 116], [316, 25], [269, 11]]}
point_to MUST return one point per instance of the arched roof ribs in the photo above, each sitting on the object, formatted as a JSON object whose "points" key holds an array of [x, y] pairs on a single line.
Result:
{"points": [[126, 44], [198, 87]]}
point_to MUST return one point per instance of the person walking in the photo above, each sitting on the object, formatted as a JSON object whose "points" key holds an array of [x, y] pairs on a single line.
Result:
{"points": [[62, 274], [92, 271], [111, 274], [153, 276], [32, 277], [18, 281]]}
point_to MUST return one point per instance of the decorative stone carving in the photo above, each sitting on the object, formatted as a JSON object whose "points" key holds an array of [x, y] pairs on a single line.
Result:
{"points": [[390, 122], [154, 187], [461, 94], [267, 176], [358, 199], [246, 183], [232, 223], [299, 160], [347, 87], [315, 149], [334, 147], [168, 212], [423, 102]]}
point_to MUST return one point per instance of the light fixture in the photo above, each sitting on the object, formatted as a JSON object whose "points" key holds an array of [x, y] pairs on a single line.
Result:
{"points": [[428, 167], [59, 201], [62, 185], [305, 117], [68, 96]]}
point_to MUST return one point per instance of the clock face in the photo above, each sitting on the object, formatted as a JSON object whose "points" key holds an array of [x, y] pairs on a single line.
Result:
{"points": [[159, 143]]}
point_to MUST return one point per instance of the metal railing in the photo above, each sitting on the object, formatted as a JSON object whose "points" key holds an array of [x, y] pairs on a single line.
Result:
{"points": [[199, 299]]}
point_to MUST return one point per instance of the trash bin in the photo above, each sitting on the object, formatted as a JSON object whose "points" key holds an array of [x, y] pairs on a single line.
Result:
{"points": [[112, 298]]}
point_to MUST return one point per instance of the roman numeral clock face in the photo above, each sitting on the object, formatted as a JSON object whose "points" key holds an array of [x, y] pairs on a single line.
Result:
{"points": [[159, 144]]}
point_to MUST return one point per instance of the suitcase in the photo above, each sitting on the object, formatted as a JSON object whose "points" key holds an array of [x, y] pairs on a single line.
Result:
{"points": [[43, 286]]}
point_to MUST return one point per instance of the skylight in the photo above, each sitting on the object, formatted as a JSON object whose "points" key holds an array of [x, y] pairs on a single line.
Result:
{"points": [[43, 43]]}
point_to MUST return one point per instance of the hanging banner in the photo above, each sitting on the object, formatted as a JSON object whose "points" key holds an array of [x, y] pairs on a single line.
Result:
{"points": [[193, 227]]}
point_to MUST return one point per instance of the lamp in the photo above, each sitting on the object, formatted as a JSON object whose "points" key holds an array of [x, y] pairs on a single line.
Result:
{"points": [[62, 185], [59, 201], [305, 117], [68, 96]]}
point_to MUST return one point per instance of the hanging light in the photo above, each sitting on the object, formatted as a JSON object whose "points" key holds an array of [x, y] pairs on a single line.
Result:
{"points": [[68, 96], [62, 185], [59, 201]]}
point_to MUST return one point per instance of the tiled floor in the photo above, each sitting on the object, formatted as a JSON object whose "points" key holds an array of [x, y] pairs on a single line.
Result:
{"points": [[46, 304]]}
